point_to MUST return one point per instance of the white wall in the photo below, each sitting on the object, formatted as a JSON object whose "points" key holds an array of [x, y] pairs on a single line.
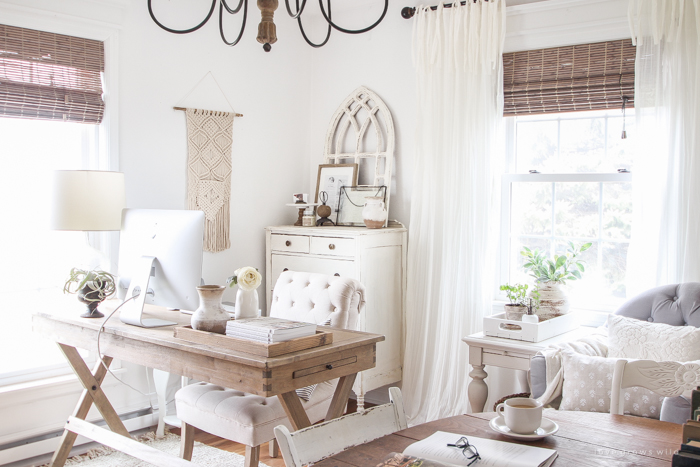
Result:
{"points": [[270, 144]]}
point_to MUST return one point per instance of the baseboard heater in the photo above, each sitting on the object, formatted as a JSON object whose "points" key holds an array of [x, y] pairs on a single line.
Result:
{"points": [[38, 450]]}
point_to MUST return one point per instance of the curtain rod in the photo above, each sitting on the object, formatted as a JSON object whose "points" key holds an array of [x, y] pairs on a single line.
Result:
{"points": [[408, 12], [183, 108]]}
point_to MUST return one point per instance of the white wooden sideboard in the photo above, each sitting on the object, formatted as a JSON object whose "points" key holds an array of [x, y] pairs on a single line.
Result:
{"points": [[376, 258]]}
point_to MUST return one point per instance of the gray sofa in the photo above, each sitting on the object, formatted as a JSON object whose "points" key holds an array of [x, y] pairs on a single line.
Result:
{"points": [[674, 304]]}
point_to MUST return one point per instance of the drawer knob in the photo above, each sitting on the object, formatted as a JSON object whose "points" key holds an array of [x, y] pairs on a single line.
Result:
{"points": [[329, 366], [288, 243], [331, 247], [285, 269], [336, 274]]}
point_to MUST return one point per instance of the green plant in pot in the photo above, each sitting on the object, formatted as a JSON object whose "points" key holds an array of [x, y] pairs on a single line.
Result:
{"points": [[551, 274], [517, 296], [519, 300], [92, 288]]}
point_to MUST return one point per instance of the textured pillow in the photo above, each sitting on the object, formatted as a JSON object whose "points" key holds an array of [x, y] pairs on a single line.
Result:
{"points": [[588, 384], [633, 338]]}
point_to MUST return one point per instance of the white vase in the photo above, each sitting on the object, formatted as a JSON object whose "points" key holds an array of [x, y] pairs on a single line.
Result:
{"points": [[210, 316], [374, 213], [246, 303], [553, 300]]}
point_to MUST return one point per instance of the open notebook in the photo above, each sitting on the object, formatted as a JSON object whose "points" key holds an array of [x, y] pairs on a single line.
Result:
{"points": [[493, 453]]}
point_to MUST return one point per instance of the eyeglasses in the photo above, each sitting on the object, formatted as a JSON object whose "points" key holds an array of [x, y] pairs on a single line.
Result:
{"points": [[468, 450]]}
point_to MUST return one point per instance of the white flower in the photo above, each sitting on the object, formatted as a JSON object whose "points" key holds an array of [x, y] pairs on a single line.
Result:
{"points": [[248, 278]]}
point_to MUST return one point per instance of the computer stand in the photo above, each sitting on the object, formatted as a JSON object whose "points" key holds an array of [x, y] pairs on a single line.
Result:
{"points": [[132, 312]]}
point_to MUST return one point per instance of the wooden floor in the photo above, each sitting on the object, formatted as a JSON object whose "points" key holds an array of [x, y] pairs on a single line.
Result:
{"points": [[238, 448]]}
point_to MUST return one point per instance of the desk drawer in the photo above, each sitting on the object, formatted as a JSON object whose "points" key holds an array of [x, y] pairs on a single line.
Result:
{"points": [[289, 243], [333, 246]]}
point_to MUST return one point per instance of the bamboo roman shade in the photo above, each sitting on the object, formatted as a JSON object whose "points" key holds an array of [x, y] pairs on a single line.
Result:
{"points": [[50, 76], [566, 79]]}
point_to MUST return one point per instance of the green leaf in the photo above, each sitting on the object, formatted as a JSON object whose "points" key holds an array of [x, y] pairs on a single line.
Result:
{"points": [[585, 246], [576, 274], [560, 261]]}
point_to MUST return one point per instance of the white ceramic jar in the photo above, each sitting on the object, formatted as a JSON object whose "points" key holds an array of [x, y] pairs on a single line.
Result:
{"points": [[374, 213], [210, 316]]}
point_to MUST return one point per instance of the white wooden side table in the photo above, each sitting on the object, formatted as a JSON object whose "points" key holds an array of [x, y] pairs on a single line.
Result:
{"points": [[505, 353]]}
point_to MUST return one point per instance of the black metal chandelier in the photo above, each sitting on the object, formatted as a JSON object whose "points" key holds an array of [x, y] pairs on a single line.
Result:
{"points": [[267, 32]]}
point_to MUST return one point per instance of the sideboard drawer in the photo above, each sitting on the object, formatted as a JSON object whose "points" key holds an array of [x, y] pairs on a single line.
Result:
{"points": [[289, 243], [333, 246]]}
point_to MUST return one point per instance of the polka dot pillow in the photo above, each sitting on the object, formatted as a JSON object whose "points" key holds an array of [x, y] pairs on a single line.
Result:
{"points": [[588, 384]]}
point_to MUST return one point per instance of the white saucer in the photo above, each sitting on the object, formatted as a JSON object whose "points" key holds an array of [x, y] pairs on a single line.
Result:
{"points": [[548, 427]]}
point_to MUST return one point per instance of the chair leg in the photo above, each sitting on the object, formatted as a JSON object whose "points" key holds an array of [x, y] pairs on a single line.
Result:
{"points": [[186, 441], [252, 456], [273, 448]]}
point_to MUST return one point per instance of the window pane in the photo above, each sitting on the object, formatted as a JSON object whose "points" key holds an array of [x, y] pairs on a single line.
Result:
{"points": [[617, 211], [577, 209], [578, 142], [532, 209], [579, 217], [536, 144], [40, 259]]}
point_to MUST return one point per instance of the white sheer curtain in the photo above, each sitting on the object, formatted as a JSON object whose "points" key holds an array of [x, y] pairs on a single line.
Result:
{"points": [[457, 54], [665, 246]]}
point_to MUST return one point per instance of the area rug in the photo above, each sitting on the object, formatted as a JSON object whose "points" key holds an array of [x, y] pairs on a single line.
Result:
{"points": [[202, 455]]}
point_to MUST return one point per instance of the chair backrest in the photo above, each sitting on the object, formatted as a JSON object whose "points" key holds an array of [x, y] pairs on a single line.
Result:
{"points": [[318, 298], [317, 442], [674, 304], [668, 379]]}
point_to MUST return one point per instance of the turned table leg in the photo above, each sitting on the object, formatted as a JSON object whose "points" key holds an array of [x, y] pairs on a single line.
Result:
{"points": [[478, 391]]}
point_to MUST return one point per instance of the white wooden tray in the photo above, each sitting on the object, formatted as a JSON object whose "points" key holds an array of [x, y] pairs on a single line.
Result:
{"points": [[499, 326]]}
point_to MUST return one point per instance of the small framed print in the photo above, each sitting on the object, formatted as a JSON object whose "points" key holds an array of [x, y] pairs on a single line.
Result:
{"points": [[352, 202], [330, 178]]}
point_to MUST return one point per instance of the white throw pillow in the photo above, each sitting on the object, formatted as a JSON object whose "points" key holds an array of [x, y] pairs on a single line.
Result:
{"points": [[588, 384], [634, 338]]}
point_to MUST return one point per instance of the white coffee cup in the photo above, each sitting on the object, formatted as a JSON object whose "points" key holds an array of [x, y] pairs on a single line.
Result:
{"points": [[522, 415]]}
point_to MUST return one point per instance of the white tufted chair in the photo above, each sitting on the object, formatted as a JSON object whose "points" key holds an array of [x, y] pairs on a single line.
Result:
{"points": [[250, 419]]}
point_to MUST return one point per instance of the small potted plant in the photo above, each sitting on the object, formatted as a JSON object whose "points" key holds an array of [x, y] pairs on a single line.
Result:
{"points": [[517, 296], [92, 288], [551, 274]]}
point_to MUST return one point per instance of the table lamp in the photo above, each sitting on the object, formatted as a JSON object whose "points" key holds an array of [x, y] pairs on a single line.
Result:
{"points": [[88, 201]]}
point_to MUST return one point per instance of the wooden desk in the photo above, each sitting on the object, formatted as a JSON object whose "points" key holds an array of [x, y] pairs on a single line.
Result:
{"points": [[506, 353], [583, 439], [350, 353]]}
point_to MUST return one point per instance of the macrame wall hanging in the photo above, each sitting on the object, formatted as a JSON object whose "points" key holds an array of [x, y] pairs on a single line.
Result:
{"points": [[209, 137]]}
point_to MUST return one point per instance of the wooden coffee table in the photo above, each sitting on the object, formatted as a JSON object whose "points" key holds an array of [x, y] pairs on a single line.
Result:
{"points": [[584, 439], [350, 353]]}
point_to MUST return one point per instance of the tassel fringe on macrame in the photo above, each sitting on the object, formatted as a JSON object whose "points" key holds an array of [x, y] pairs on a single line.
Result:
{"points": [[209, 137]]}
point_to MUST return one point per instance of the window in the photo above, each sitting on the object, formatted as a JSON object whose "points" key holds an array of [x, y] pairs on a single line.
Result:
{"points": [[577, 195], [48, 83]]}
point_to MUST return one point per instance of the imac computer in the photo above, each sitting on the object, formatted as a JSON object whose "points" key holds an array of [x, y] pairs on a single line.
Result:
{"points": [[160, 262]]}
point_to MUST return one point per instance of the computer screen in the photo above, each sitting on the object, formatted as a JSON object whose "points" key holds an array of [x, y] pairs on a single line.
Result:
{"points": [[159, 251]]}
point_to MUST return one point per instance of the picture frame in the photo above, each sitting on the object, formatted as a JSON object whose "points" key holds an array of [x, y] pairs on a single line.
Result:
{"points": [[331, 177], [352, 202]]}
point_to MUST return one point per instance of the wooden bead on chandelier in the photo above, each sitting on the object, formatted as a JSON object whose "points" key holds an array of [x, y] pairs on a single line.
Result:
{"points": [[267, 33]]}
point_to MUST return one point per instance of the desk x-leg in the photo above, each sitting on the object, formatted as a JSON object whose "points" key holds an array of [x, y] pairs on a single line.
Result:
{"points": [[92, 394]]}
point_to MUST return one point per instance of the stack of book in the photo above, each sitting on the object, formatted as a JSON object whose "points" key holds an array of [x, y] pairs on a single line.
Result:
{"points": [[269, 330], [689, 453]]}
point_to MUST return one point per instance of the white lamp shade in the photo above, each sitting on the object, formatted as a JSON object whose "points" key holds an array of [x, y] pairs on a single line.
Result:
{"points": [[87, 200]]}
